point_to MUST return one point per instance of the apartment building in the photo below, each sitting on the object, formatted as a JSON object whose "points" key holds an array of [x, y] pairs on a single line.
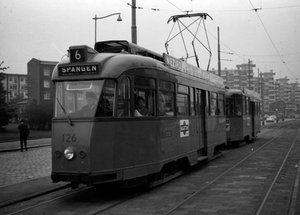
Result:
{"points": [[40, 87], [15, 86]]}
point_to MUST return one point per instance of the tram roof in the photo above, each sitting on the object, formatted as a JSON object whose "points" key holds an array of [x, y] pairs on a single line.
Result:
{"points": [[244, 91], [113, 58]]}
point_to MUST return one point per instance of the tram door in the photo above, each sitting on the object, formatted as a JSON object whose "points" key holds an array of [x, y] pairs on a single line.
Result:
{"points": [[201, 116], [252, 115]]}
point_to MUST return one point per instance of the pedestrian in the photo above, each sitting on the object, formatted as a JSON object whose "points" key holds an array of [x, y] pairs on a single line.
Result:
{"points": [[24, 133]]}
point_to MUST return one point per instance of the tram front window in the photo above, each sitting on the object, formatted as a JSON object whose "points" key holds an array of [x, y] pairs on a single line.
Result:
{"points": [[77, 99]]}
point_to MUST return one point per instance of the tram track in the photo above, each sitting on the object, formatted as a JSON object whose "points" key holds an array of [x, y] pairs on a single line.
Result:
{"points": [[264, 198], [107, 197]]}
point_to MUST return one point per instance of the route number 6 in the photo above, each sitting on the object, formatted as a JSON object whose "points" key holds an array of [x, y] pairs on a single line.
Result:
{"points": [[77, 55]]}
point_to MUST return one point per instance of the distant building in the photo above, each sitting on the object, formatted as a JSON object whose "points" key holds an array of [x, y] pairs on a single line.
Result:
{"points": [[239, 78], [40, 86], [267, 90], [15, 86]]}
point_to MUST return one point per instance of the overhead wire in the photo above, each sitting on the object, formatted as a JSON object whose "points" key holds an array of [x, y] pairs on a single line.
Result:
{"points": [[269, 36], [241, 56]]}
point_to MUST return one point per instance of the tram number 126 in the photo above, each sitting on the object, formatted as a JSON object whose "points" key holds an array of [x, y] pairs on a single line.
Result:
{"points": [[69, 138]]}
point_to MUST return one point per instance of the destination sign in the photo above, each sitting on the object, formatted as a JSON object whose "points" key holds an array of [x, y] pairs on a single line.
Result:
{"points": [[189, 69], [78, 70]]}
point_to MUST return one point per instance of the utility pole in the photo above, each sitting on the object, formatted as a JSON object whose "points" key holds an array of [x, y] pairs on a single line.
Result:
{"points": [[133, 25], [219, 58], [249, 74], [258, 87]]}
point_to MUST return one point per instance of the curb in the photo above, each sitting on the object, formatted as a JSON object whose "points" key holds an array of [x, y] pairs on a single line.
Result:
{"points": [[29, 147], [31, 196]]}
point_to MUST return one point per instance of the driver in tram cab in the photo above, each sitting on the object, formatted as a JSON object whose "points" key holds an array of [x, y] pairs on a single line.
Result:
{"points": [[89, 109], [140, 109]]}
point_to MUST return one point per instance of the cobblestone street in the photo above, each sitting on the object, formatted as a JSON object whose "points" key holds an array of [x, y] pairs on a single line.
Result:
{"points": [[18, 167]]}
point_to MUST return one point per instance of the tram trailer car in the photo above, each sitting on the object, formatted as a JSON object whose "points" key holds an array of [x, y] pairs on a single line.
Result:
{"points": [[119, 141], [243, 121]]}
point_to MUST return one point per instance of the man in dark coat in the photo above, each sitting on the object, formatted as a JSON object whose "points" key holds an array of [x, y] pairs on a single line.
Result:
{"points": [[90, 108], [24, 132]]}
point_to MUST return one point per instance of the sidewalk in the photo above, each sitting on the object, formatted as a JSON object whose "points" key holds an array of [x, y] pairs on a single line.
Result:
{"points": [[15, 146], [26, 174]]}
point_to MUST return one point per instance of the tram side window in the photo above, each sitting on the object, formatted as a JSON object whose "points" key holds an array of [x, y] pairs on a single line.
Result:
{"points": [[246, 106], [123, 106], [213, 104], [238, 106], [107, 99], [144, 95], [230, 106], [192, 103], [221, 105], [183, 100], [207, 102], [166, 99]]}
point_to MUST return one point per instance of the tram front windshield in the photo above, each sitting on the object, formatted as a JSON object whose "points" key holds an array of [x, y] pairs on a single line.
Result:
{"points": [[81, 99]]}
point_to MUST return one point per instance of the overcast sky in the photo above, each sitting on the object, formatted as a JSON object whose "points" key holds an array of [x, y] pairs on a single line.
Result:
{"points": [[44, 29]]}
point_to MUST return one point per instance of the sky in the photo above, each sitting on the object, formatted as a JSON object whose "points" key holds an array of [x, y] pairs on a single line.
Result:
{"points": [[267, 32]]}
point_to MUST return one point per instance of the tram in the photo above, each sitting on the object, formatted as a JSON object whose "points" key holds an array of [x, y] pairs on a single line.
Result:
{"points": [[243, 121], [150, 117]]}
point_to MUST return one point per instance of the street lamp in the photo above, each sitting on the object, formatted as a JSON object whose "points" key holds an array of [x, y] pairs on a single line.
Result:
{"points": [[103, 17]]}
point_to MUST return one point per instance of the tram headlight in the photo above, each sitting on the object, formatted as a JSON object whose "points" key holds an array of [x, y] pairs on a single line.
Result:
{"points": [[69, 153]]}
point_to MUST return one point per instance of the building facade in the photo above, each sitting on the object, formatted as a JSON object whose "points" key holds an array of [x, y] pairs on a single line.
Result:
{"points": [[239, 78], [15, 86], [40, 86]]}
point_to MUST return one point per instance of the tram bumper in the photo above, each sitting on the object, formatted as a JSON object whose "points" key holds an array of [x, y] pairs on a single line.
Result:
{"points": [[88, 179]]}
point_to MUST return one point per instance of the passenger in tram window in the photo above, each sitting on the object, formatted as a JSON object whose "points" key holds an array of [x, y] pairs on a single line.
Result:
{"points": [[168, 109], [141, 110], [104, 109], [238, 111], [89, 109]]}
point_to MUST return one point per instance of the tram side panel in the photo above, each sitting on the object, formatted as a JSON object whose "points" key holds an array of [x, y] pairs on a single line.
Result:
{"points": [[188, 139], [128, 148], [235, 128], [216, 133]]}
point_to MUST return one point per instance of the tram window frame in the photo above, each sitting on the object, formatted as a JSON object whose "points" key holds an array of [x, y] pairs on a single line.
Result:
{"points": [[166, 96], [124, 102], [247, 105], [207, 103], [192, 102], [238, 105], [146, 88], [106, 104], [199, 102], [221, 110], [213, 104], [182, 96]]}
